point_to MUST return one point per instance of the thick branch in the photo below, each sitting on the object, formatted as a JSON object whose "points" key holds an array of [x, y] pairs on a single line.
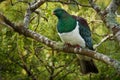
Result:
{"points": [[113, 6], [27, 17], [60, 46], [108, 16], [30, 9]]}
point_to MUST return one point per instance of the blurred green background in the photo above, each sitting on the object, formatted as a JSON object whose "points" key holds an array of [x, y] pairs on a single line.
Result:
{"points": [[22, 58]]}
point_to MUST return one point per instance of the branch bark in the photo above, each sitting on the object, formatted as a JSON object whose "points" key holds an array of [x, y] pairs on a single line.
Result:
{"points": [[103, 40], [31, 8], [60, 46], [108, 16]]}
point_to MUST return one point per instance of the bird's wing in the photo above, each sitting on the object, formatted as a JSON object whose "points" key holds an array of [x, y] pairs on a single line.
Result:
{"points": [[84, 31]]}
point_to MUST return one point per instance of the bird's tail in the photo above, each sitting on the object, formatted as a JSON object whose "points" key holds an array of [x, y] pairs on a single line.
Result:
{"points": [[86, 64]]}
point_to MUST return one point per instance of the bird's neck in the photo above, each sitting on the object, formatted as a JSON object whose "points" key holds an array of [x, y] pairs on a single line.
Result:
{"points": [[66, 24]]}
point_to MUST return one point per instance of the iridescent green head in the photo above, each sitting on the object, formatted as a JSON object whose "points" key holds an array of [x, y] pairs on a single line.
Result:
{"points": [[66, 22], [60, 13]]}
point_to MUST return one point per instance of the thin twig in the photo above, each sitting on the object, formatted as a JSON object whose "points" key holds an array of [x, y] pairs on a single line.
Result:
{"points": [[43, 63], [64, 67], [103, 40], [69, 72]]}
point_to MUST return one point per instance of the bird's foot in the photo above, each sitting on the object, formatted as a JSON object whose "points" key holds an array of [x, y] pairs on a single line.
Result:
{"points": [[69, 45], [78, 46]]}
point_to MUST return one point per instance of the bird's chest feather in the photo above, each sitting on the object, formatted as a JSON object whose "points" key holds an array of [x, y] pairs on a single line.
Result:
{"points": [[73, 37]]}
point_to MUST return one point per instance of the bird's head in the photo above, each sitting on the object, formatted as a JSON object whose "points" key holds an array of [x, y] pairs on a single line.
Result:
{"points": [[60, 13]]}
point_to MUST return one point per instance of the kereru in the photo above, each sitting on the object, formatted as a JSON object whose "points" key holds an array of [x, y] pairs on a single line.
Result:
{"points": [[75, 31]]}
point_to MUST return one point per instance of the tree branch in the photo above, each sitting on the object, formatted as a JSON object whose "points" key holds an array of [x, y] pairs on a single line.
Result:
{"points": [[32, 7], [108, 16], [103, 40], [60, 46], [25, 67], [43, 63]]}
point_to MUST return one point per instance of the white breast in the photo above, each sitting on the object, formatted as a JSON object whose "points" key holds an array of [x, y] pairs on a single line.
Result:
{"points": [[73, 37]]}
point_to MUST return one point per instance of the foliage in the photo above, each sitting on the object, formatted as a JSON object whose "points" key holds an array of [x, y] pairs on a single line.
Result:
{"points": [[21, 58]]}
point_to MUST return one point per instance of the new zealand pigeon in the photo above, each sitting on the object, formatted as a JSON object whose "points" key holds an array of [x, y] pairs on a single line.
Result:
{"points": [[75, 31]]}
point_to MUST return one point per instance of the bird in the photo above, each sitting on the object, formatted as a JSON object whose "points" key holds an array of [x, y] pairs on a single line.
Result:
{"points": [[74, 30]]}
